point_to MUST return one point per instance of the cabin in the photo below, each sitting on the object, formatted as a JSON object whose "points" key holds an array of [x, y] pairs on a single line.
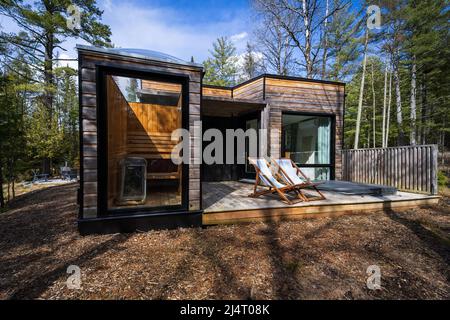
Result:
{"points": [[131, 103]]}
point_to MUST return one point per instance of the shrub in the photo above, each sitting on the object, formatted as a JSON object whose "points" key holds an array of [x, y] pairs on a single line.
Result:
{"points": [[442, 179]]}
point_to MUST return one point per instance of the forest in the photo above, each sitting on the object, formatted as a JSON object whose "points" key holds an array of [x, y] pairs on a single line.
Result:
{"points": [[393, 56]]}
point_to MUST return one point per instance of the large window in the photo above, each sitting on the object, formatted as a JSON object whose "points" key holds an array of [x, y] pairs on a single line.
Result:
{"points": [[307, 141], [141, 116]]}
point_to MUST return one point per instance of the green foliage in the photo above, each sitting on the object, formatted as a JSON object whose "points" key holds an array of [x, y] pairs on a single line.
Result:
{"points": [[343, 42], [442, 179], [221, 69], [250, 65], [131, 89]]}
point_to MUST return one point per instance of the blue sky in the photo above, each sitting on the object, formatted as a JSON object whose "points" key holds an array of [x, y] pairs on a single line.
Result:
{"points": [[182, 28]]}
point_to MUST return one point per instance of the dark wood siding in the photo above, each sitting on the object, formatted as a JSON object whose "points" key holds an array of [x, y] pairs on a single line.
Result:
{"points": [[88, 62], [292, 95]]}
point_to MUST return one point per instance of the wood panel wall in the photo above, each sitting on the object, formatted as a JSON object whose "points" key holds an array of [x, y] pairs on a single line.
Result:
{"points": [[88, 62], [161, 86], [217, 92], [411, 168], [284, 95], [252, 90], [117, 137], [150, 129]]}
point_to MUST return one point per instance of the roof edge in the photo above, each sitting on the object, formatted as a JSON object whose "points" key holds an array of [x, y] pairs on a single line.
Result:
{"points": [[100, 50], [276, 76]]}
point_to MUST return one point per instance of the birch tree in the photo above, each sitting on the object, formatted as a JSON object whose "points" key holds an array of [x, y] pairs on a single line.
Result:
{"points": [[274, 45], [412, 136], [383, 129], [373, 107], [388, 120], [303, 21], [361, 91]]}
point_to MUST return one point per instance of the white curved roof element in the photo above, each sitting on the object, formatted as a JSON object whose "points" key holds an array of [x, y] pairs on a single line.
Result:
{"points": [[140, 54]]}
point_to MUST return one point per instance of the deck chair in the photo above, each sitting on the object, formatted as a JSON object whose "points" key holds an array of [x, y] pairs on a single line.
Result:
{"points": [[265, 178], [295, 177]]}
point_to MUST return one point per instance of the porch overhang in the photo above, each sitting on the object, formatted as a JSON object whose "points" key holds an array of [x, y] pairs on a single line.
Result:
{"points": [[229, 107]]}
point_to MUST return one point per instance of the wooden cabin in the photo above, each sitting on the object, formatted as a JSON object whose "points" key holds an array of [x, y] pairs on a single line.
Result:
{"points": [[131, 101]]}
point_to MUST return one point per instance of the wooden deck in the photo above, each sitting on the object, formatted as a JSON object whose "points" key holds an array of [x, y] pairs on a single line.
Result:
{"points": [[228, 202]]}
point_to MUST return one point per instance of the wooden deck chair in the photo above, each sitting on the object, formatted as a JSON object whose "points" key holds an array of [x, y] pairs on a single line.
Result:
{"points": [[295, 177], [265, 177]]}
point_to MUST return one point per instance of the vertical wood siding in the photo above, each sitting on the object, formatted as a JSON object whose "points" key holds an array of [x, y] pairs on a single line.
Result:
{"points": [[410, 168]]}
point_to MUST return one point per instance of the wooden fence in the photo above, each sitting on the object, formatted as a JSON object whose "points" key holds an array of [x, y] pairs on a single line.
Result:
{"points": [[411, 168]]}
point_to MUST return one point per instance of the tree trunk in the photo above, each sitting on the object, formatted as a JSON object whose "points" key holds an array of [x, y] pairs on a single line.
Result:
{"points": [[2, 197], [49, 83], [325, 42], [412, 136], [361, 92], [388, 120], [307, 25], [11, 179], [401, 134], [373, 109], [424, 112], [383, 130]]}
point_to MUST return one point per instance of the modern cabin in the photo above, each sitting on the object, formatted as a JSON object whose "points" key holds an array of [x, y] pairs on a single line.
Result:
{"points": [[131, 102]]}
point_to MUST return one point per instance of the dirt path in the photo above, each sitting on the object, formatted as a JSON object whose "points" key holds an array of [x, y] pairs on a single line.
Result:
{"points": [[309, 259]]}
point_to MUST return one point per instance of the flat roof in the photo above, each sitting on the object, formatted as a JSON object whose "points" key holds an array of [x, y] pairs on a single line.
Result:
{"points": [[276, 76], [163, 57], [139, 54]]}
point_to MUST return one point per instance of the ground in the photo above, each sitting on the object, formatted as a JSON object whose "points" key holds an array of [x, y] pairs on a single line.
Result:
{"points": [[322, 258]]}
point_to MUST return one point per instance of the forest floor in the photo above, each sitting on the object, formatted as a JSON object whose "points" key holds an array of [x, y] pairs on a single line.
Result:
{"points": [[322, 258]]}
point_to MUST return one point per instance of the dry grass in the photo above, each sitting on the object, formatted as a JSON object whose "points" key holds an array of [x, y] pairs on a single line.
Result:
{"points": [[310, 259]]}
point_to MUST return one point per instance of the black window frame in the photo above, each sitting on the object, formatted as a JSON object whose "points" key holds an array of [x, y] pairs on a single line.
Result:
{"points": [[332, 116], [102, 138]]}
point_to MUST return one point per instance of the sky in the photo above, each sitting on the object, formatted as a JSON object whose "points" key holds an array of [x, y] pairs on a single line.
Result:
{"points": [[182, 28]]}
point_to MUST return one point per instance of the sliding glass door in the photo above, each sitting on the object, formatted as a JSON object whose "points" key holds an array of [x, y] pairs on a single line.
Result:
{"points": [[307, 140]]}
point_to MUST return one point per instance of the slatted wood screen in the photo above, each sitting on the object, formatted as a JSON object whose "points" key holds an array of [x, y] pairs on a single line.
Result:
{"points": [[411, 168]]}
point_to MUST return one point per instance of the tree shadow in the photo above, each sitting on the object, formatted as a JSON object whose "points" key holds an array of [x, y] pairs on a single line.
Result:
{"points": [[428, 238], [37, 285]]}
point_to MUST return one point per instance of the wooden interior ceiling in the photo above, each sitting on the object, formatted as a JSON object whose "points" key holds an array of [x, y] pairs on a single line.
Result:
{"points": [[214, 107]]}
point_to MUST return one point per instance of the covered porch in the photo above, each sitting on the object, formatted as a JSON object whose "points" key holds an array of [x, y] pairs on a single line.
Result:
{"points": [[227, 202]]}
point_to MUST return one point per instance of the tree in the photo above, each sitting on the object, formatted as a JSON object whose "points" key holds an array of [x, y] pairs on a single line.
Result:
{"points": [[383, 129], [131, 89], [361, 92], [303, 21], [221, 68], [343, 43], [43, 28], [250, 64], [275, 46]]}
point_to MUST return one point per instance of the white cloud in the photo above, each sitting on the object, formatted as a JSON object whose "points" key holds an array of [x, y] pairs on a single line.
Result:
{"points": [[167, 30], [145, 26], [239, 36]]}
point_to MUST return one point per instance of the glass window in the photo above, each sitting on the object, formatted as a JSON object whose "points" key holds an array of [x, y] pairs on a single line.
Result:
{"points": [[141, 117], [307, 141]]}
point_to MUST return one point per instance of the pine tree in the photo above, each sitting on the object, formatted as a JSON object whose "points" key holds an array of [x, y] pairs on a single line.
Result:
{"points": [[250, 64], [132, 89], [221, 68], [44, 26]]}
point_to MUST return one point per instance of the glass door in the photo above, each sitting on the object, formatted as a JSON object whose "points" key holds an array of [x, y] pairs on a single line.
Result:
{"points": [[307, 140]]}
